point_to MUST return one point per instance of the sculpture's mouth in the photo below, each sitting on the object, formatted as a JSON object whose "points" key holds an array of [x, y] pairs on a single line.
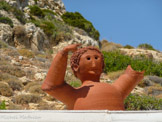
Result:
{"points": [[94, 71]]}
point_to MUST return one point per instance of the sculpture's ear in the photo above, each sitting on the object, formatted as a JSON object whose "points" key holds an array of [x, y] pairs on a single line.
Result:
{"points": [[76, 67]]}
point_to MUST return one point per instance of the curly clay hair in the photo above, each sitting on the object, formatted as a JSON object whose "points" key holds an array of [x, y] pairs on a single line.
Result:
{"points": [[75, 58]]}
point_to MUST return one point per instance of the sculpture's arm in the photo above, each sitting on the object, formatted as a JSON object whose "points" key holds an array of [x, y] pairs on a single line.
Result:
{"points": [[54, 83], [127, 81]]}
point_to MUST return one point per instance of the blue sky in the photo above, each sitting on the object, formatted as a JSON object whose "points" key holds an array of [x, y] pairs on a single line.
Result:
{"points": [[130, 22]]}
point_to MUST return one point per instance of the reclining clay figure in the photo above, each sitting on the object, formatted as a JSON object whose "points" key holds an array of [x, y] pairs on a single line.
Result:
{"points": [[87, 64]]}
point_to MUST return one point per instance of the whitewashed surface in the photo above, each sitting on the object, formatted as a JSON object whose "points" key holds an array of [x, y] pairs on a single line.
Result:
{"points": [[79, 116]]}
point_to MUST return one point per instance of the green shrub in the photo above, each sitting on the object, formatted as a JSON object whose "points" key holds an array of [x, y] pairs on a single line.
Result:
{"points": [[6, 20], [4, 6], [35, 10], [18, 13], [48, 12], [146, 46], [137, 102], [115, 61], [55, 30], [128, 47], [2, 105], [77, 20], [75, 84]]}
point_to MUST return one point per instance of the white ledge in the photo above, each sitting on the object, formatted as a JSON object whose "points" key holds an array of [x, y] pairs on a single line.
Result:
{"points": [[79, 116]]}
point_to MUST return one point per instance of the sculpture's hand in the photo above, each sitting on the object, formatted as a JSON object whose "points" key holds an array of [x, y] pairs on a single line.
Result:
{"points": [[72, 47]]}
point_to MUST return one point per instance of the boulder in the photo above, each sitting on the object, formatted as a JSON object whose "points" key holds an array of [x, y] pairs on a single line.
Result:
{"points": [[155, 79], [6, 33]]}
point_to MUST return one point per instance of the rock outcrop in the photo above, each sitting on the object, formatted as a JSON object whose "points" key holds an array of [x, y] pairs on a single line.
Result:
{"points": [[55, 5], [28, 35], [151, 54]]}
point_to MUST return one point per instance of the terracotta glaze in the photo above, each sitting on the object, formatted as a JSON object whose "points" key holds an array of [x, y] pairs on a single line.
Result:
{"points": [[87, 64]]}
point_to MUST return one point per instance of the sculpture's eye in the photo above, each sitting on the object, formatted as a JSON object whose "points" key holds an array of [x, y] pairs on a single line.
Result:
{"points": [[88, 58], [96, 57]]}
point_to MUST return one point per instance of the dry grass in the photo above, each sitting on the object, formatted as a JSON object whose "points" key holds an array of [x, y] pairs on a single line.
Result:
{"points": [[30, 84], [26, 99], [46, 106], [12, 70], [19, 31], [115, 75], [6, 76], [36, 89], [15, 84], [5, 89], [27, 53], [109, 46], [159, 96], [11, 52]]}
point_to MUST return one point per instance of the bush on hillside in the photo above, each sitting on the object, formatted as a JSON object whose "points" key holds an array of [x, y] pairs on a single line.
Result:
{"points": [[26, 53], [55, 30], [2, 105], [77, 20], [75, 84], [15, 84], [12, 70], [6, 20], [146, 46], [35, 10], [26, 99], [5, 90], [4, 6], [115, 61], [137, 102], [128, 47], [18, 13]]}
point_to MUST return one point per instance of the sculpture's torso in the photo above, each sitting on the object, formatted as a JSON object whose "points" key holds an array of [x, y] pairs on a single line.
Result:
{"points": [[98, 96]]}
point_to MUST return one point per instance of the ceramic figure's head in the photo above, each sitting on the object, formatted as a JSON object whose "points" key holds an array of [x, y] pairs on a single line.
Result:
{"points": [[87, 60]]}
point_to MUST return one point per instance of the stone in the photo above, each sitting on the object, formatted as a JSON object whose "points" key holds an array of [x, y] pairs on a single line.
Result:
{"points": [[155, 79], [39, 76], [37, 38], [15, 63], [20, 57]]}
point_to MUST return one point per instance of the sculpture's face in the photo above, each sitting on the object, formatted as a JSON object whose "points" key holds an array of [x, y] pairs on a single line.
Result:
{"points": [[90, 63]]}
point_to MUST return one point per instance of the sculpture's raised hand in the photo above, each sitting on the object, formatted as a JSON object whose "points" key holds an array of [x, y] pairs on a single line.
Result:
{"points": [[72, 47]]}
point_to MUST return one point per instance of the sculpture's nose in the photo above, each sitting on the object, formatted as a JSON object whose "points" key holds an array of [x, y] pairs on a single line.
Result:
{"points": [[93, 64]]}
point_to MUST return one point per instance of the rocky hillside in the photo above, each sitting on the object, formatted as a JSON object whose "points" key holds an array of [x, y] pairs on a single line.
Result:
{"points": [[31, 33], [38, 25]]}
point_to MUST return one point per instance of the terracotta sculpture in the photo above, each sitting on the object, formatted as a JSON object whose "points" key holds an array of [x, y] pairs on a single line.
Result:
{"points": [[87, 64]]}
